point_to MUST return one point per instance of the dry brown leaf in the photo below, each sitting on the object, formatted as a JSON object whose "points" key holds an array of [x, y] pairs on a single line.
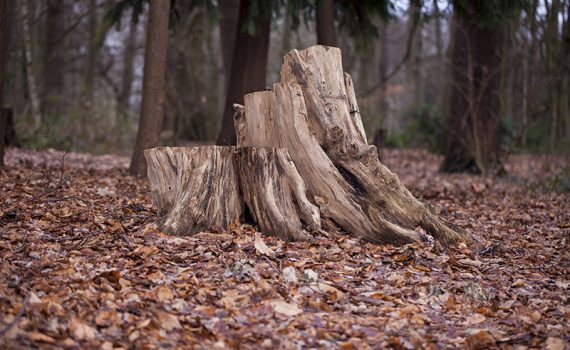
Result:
{"points": [[553, 343], [167, 321], [480, 339], [163, 293], [284, 308], [40, 337], [260, 245], [81, 331]]}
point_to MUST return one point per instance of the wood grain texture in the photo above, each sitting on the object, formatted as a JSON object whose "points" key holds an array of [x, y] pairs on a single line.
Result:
{"points": [[275, 193], [334, 117], [288, 127], [194, 188]]}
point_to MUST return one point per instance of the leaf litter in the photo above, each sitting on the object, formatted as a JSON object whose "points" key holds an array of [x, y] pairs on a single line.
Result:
{"points": [[85, 266]]}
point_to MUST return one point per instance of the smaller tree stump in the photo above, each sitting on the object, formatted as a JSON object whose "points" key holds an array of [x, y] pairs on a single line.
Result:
{"points": [[194, 188], [275, 193]]}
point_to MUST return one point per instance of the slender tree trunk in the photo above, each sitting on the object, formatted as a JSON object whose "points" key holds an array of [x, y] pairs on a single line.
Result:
{"points": [[384, 107], [525, 88], [416, 61], [3, 47], [287, 32], [474, 129], [249, 69], [530, 75], [508, 66], [30, 66], [97, 35], [326, 30], [153, 94], [91, 58], [54, 60], [228, 29], [440, 71], [128, 70], [552, 43], [565, 67]]}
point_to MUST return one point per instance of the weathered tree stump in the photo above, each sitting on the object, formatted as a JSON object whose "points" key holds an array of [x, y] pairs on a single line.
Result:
{"points": [[194, 188], [313, 113], [275, 193], [302, 162]]}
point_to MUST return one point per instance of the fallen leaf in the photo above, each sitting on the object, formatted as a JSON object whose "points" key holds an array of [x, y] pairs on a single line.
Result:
{"points": [[260, 245], [284, 308], [163, 293], [518, 283], [81, 331], [40, 337], [553, 343], [481, 339], [167, 321]]}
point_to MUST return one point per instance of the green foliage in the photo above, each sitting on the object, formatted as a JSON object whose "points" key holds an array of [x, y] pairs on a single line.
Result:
{"points": [[424, 129], [259, 11], [489, 12], [357, 17], [510, 131], [49, 135], [115, 14], [559, 181], [537, 137]]}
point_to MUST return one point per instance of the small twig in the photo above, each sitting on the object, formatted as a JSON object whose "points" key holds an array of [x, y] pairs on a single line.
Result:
{"points": [[59, 183], [74, 238], [17, 318], [61, 199]]}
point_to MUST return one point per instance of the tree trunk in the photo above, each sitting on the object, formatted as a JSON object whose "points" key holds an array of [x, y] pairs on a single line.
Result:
{"points": [[473, 125], [228, 29], [128, 70], [10, 137], [326, 30], [249, 68], [30, 66], [54, 58], [415, 63], [303, 163], [440, 58], [153, 94], [3, 47], [383, 105], [552, 44], [195, 188]]}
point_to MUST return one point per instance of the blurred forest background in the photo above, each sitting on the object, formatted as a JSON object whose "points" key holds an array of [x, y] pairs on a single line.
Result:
{"points": [[74, 69]]}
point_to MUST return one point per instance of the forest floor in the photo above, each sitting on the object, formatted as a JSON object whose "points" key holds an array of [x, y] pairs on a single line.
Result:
{"points": [[84, 266]]}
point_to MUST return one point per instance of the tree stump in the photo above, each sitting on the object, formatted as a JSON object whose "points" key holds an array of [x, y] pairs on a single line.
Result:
{"points": [[302, 162], [313, 113], [194, 188]]}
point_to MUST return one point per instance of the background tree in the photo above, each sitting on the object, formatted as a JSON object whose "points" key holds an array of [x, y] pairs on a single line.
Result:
{"points": [[404, 88], [54, 57], [325, 22], [474, 123], [153, 94], [3, 47], [249, 62], [30, 66]]}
